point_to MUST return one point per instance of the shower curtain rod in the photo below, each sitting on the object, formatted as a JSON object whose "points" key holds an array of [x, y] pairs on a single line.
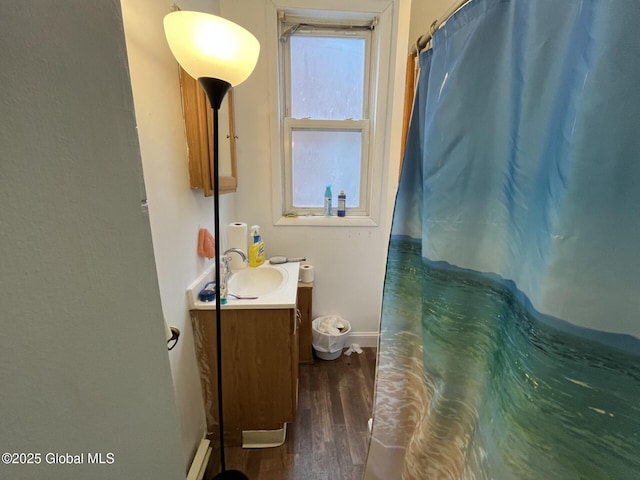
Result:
{"points": [[424, 40]]}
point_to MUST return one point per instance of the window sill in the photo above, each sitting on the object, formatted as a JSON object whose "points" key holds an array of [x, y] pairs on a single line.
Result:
{"points": [[320, 221]]}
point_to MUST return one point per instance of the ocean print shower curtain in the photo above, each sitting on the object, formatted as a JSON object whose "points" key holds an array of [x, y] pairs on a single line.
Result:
{"points": [[511, 314]]}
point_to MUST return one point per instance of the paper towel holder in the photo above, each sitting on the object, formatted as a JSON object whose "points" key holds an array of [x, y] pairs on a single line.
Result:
{"points": [[175, 334]]}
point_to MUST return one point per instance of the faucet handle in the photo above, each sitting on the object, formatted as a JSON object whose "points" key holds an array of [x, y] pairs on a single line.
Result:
{"points": [[239, 251]]}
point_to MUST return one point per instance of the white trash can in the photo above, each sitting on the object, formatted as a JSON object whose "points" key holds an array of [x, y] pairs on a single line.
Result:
{"points": [[329, 336]]}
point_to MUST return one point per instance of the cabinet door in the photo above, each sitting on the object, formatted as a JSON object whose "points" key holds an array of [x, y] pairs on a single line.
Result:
{"points": [[305, 291], [259, 374], [259, 367], [198, 122]]}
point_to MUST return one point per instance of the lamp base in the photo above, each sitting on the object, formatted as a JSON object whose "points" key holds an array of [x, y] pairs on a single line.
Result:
{"points": [[231, 475]]}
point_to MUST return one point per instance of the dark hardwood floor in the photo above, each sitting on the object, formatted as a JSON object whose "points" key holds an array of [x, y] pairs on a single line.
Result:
{"points": [[329, 439]]}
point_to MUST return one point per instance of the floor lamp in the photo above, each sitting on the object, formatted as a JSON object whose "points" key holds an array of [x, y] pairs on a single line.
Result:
{"points": [[220, 55]]}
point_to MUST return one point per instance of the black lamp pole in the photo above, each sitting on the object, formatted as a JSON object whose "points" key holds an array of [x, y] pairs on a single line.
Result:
{"points": [[216, 89]]}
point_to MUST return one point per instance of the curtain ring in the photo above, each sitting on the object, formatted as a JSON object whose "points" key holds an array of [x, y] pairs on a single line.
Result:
{"points": [[433, 29]]}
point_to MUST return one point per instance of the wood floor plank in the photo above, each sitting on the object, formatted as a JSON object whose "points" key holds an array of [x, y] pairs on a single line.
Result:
{"points": [[301, 444], [329, 439], [336, 376]]}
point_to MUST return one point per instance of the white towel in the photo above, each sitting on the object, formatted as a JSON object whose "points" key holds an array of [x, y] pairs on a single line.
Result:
{"points": [[353, 348]]}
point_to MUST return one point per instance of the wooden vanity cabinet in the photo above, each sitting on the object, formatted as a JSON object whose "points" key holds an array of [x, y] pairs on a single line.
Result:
{"points": [[259, 367], [305, 292]]}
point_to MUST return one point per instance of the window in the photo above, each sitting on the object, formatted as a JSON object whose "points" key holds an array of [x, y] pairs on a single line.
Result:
{"points": [[328, 73]]}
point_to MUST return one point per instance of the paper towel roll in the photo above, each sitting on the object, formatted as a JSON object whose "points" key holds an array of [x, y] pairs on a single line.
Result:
{"points": [[306, 273], [237, 238]]}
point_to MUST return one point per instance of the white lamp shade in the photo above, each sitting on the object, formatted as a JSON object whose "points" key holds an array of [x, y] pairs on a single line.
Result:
{"points": [[209, 46]]}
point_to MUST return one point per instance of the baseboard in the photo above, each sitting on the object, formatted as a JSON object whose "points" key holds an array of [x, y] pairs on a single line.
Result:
{"points": [[363, 339], [200, 461]]}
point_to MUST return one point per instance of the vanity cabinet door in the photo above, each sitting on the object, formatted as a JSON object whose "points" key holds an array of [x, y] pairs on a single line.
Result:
{"points": [[305, 291], [259, 367]]}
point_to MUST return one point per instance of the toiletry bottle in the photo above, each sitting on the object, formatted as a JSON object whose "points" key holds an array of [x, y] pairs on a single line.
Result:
{"points": [[256, 250], [327, 201], [342, 204]]}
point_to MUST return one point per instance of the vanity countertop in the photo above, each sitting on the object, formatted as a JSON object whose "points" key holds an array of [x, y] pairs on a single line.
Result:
{"points": [[285, 296]]}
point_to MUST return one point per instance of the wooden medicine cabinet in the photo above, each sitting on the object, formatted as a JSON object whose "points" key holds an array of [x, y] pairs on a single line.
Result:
{"points": [[198, 120]]}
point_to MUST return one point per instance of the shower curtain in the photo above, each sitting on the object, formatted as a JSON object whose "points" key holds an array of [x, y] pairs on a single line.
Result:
{"points": [[511, 313]]}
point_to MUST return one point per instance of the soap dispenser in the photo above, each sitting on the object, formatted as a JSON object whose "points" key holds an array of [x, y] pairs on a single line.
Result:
{"points": [[256, 250]]}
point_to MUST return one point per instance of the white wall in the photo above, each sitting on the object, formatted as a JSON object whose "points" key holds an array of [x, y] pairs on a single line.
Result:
{"points": [[176, 212], [349, 261], [83, 361], [423, 14]]}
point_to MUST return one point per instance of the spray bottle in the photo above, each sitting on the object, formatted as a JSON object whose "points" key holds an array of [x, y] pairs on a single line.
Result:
{"points": [[327, 201], [256, 250]]}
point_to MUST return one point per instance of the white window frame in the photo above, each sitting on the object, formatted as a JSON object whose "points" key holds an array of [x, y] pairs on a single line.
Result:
{"points": [[362, 126], [375, 109]]}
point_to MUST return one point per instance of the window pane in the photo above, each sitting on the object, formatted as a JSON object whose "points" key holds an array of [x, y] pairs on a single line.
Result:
{"points": [[325, 157], [327, 77]]}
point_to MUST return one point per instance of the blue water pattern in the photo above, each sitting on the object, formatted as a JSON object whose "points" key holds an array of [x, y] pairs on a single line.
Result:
{"points": [[539, 402]]}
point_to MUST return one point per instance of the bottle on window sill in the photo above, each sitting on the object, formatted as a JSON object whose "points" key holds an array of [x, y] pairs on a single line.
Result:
{"points": [[327, 201], [342, 204]]}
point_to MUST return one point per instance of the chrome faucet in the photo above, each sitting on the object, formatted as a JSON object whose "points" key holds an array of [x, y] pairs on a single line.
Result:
{"points": [[235, 250], [225, 271]]}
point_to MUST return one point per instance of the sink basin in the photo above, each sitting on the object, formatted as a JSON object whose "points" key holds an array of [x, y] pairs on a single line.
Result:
{"points": [[276, 286], [254, 282]]}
